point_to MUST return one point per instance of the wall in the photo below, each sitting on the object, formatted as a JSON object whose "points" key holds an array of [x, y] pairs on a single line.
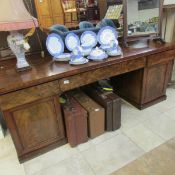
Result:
{"points": [[136, 15], [166, 2]]}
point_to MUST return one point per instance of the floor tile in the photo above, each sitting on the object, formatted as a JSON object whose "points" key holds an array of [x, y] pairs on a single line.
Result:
{"points": [[105, 136], [108, 156], [6, 147], [9, 164], [128, 121], [170, 93], [75, 165], [144, 137], [130, 112], [159, 161], [49, 159], [163, 126], [170, 113], [164, 105], [92, 142]]}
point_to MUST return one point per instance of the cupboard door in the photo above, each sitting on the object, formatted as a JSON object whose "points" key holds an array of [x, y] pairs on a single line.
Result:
{"points": [[155, 81], [57, 12], [36, 125], [44, 12]]}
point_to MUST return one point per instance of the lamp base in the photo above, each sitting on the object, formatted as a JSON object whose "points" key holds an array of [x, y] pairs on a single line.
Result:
{"points": [[17, 45], [23, 68]]}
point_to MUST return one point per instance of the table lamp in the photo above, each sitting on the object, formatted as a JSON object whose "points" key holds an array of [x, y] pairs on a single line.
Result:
{"points": [[13, 17]]}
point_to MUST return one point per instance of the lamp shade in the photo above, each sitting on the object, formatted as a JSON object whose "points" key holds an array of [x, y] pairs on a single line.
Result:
{"points": [[14, 16]]}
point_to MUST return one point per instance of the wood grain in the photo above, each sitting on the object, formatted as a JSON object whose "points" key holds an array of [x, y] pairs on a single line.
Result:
{"points": [[28, 95], [35, 125], [44, 70]]}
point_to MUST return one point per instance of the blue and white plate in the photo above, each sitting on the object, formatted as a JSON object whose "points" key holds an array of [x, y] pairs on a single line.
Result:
{"points": [[106, 35], [79, 62], [88, 39], [115, 52], [72, 41], [55, 45], [101, 58], [63, 57]]}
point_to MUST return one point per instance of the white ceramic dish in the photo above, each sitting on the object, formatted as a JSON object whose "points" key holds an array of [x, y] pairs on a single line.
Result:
{"points": [[54, 44], [88, 39], [63, 57], [79, 62], [106, 35], [72, 41]]}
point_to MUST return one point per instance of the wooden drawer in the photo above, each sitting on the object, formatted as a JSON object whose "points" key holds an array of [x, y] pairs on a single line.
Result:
{"points": [[89, 77], [135, 64], [160, 57], [28, 95]]}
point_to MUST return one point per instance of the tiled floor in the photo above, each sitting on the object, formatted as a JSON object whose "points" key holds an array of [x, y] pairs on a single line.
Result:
{"points": [[159, 161], [141, 132]]}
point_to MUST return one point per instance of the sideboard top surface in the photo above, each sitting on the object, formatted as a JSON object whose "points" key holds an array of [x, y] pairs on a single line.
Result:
{"points": [[44, 70]]}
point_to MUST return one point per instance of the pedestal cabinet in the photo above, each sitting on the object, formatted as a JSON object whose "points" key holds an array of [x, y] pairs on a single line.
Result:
{"points": [[35, 126], [146, 86]]}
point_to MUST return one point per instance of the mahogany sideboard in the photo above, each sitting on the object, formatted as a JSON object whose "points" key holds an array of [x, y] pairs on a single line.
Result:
{"points": [[29, 100]]}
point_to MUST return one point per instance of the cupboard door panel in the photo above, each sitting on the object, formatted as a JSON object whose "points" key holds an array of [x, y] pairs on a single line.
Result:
{"points": [[36, 125], [44, 12], [155, 82]]}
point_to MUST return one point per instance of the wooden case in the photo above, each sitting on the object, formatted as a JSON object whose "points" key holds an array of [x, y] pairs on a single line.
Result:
{"points": [[112, 104], [76, 122], [96, 114]]}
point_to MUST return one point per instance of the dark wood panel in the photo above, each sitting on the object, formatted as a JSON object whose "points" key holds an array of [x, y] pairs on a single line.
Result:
{"points": [[102, 73], [89, 77], [44, 70], [161, 58], [144, 87], [135, 64], [129, 85], [36, 125], [24, 96], [155, 81]]}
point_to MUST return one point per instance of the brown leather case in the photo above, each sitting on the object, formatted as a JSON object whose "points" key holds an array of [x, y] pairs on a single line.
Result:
{"points": [[104, 101], [96, 114], [116, 110], [76, 122], [112, 104]]}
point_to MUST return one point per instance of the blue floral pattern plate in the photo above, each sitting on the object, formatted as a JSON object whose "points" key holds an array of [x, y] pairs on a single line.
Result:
{"points": [[106, 35], [72, 41], [79, 62], [97, 54], [88, 39], [63, 57], [55, 45]]}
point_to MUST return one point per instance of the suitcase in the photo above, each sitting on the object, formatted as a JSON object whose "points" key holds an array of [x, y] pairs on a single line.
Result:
{"points": [[116, 110], [112, 104], [96, 114], [76, 122]]}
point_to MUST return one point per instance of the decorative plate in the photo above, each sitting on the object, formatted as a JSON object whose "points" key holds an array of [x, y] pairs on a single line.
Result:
{"points": [[115, 52], [63, 57], [106, 35], [55, 45], [84, 61], [88, 39], [72, 41], [97, 54]]}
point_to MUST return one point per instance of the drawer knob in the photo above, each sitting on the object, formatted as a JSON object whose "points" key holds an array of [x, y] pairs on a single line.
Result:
{"points": [[66, 82]]}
